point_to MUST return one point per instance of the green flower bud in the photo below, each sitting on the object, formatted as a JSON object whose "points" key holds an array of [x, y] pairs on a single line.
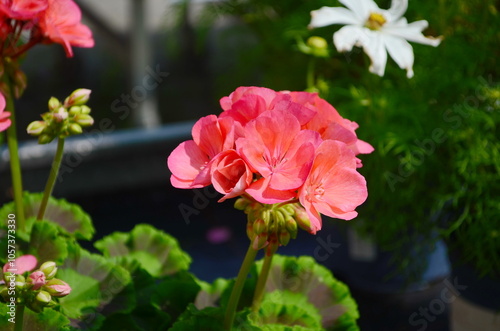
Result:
{"points": [[75, 129], [241, 203], [75, 110], [291, 227], [259, 226], [20, 282], [250, 233], [45, 139], [317, 42], [302, 219], [36, 128], [54, 104], [84, 120], [279, 218], [49, 268], [43, 297], [259, 241], [85, 109], [78, 97], [284, 238]]}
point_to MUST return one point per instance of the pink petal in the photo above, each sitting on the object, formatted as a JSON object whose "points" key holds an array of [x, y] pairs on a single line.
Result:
{"points": [[260, 191], [186, 162], [21, 264]]}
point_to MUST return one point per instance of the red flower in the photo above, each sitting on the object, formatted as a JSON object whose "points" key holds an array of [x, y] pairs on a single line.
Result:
{"points": [[22, 9], [60, 23], [334, 187]]}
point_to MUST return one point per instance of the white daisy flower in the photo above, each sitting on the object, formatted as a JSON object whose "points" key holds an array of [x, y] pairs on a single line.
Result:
{"points": [[377, 30]]}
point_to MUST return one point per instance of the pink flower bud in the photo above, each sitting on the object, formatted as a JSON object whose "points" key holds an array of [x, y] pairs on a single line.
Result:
{"points": [[57, 288], [37, 279], [77, 98]]}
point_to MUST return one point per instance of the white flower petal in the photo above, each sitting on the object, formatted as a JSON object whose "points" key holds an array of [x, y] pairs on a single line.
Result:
{"points": [[411, 32], [330, 15], [374, 47], [398, 8], [401, 52], [361, 8], [348, 36]]}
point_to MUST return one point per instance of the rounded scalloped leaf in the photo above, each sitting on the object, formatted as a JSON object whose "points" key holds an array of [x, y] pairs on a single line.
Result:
{"points": [[70, 217], [285, 310], [98, 288], [156, 251], [47, 320], [304, 275], [210, 294]]}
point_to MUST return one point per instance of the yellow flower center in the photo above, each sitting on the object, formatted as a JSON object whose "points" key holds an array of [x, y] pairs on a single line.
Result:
{"points": [[375, 21]]}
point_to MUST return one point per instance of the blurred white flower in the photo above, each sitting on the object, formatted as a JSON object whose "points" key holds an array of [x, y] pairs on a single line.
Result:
{"points": [[377, 30]]}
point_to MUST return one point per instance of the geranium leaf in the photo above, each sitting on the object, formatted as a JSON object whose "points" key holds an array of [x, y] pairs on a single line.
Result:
{"points": [[154, 250], [99, 288], [285, 310], [47, 320], [71, 218], [304, 275], [46, 243]]}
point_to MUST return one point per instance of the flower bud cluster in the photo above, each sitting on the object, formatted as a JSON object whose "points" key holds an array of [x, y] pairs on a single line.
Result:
{"points": [[63, 119], [270, 226], [37, 290]]}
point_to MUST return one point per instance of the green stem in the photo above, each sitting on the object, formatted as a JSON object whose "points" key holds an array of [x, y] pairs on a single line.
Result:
{"points": [[15, 164], [261, 282], [238, 287], [19, 318], [56, 164]]}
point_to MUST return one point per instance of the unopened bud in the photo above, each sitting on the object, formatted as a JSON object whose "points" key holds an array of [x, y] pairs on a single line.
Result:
{"points": [[84, 109], [36, 128], [43, 297], [259, 226], [84, 120], [75, 110], [78, 97], [241, 203], [317, 42], [45, 139], [20, 282], [57, 288], [60, 114], [75, 128], [279, 218], [291, 227], [303, 219], [49, 268], [259, 241], [54, 104], [284, 238], [36, 280]]}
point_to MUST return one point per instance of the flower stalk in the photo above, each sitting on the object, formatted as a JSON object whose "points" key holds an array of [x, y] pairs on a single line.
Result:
{"points": [[56, 164], [19, 318], [238, 287], [261, 282], [15, 164]]}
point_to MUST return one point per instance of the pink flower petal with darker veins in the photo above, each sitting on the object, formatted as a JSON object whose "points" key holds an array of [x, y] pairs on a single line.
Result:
{"points": [[21, 264]]}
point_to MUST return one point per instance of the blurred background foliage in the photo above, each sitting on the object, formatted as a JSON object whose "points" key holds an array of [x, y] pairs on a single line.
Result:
{"points": [[435, 169]]}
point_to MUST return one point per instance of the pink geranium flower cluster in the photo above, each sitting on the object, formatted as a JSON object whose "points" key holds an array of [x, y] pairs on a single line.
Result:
{"points": [[41, 21], [46, 21], [276, 147]]}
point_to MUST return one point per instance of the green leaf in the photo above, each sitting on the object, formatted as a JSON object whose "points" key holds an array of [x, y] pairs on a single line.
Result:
{"points": [[46, 243], [152, 249], [71, 218], [210, 294], [47, 320], [99, 288], [285, 310], [304, 275]]}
